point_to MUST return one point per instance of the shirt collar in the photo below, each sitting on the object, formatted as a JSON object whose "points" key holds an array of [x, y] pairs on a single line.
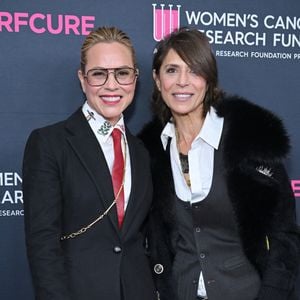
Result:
{"points": [[168, 132], [212, 128], [100, 126], [210, 132]]}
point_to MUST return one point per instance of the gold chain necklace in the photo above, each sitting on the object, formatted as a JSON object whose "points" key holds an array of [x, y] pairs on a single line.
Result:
{"points": [[101, 216], [183, 161]]}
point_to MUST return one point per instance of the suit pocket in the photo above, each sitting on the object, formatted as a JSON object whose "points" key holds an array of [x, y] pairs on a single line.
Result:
{"points": [[234, 262]]}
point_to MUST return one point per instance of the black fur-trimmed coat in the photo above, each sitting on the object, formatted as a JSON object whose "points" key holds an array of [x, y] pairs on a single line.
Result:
{"points": [[255, 145]]}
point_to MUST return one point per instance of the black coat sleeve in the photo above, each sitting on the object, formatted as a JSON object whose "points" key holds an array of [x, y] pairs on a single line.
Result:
{"points": [[279, 276], [43, 208]]}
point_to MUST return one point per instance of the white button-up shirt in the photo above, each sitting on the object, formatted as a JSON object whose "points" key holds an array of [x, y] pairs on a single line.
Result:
{"points": [[95, 121]]}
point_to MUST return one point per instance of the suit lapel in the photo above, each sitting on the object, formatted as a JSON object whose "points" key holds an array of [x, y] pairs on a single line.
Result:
{"points": [[89, 152]]}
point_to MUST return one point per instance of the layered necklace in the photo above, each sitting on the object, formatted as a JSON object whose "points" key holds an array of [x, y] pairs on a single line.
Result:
{"points": [[184, 161]]}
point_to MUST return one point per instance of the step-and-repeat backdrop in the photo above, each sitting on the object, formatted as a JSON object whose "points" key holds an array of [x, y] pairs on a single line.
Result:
{"points": [[256, 43]]}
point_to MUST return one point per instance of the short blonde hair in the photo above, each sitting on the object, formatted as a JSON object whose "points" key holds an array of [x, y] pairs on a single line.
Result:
{"points": [[105, 35]]}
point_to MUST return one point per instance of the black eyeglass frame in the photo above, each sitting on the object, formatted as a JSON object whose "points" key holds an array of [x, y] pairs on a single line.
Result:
{"points": [[112, 70]]}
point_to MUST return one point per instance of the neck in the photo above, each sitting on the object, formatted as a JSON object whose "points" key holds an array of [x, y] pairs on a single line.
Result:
{"points": [[187, 128]]}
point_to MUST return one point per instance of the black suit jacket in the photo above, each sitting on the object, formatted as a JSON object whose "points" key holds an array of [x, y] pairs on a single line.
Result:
{"points": [[66, 185]]}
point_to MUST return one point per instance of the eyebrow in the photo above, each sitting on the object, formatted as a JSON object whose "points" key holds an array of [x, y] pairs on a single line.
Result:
{"points": [[119, 67], [172, 65]]}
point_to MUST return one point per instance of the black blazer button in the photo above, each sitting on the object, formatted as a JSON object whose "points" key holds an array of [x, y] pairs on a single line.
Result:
{"points": [[117, 249], [158, 268]]}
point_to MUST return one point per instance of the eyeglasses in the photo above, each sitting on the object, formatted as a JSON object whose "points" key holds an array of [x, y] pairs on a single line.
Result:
{"points": [[99, 76]]}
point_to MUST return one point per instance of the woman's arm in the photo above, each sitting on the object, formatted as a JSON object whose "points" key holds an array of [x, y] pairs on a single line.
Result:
{"points": [[43, 211], [284, 244]]}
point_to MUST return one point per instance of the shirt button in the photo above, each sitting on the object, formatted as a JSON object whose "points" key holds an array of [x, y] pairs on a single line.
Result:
{"points": [[117, 249], [198, 229], [202, 255], [195, 281], [158, 268], [211, 281]]}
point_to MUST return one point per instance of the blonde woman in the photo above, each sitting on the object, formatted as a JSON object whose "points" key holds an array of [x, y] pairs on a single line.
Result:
{"points": [[87, 187]]}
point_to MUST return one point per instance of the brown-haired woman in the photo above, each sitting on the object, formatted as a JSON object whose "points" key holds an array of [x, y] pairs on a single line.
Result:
{"points": [[223, 223]]}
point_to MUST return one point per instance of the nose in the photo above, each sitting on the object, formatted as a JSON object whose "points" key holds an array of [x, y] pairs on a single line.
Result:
{"points": [[183, 79], [111, 82]]}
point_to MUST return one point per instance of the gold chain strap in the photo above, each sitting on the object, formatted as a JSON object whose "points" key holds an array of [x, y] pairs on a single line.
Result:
{"points": [[87, 227]]}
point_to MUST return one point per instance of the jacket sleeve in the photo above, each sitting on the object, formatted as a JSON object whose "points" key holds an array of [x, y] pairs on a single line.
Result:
{"points": [[43, 210], [279, 277]]}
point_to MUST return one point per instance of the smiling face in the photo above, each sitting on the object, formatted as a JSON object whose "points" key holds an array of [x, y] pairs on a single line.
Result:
{"points": [[182, 90], [110, 99]]}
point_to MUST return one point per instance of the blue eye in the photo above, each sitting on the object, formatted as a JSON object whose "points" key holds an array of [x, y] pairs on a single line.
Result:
{"points": [[124, 72], [98, 73]]}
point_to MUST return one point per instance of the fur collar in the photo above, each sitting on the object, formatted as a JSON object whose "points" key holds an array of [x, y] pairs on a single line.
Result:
{"points": [[252, 132]]}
